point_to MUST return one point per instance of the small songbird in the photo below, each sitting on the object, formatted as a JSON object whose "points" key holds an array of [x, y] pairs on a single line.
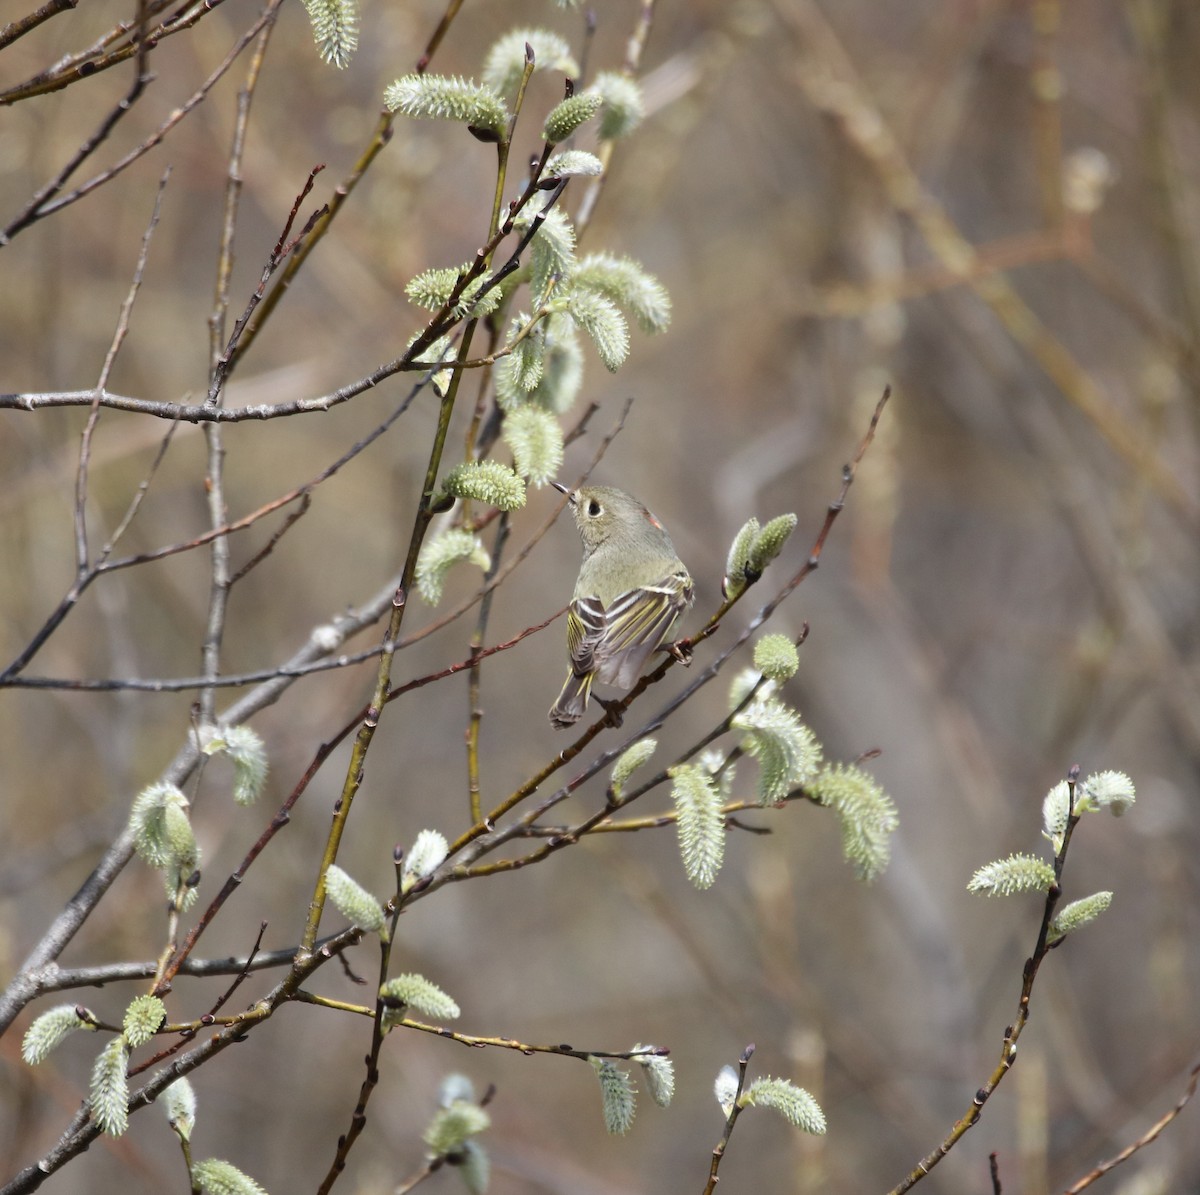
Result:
{"points": [[632, 591]]}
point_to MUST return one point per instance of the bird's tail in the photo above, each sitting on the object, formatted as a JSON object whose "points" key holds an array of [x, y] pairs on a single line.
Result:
{"points": [[572, 701]]}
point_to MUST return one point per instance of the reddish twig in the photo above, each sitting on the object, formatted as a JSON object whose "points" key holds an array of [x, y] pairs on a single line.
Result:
{"points": [[1151, 1134]]}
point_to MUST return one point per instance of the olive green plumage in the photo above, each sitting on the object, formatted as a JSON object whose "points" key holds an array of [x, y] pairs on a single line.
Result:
{"points": [[631, 593]]}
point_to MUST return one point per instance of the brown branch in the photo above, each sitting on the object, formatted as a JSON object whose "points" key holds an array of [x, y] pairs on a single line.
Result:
{"points": [[523, 1047], [85, 64], [319, 227], [1008, 1049], [283, 816], [73, 595], [36, 208], [435, 40], [223, 361], [735, 1109], [39, 210], [474, 684], [84, 1129], [17, 29], [85, 449], [1151, 1134]]}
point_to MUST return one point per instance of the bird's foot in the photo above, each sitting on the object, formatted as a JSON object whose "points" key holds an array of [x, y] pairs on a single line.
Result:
{"points": [[680, 650], [613, 710]]}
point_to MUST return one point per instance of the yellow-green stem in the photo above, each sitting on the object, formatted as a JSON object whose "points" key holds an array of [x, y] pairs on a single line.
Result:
{"points": [[366, 732]]}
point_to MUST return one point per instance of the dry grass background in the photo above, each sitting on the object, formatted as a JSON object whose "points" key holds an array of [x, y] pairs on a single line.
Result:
{"points": [[836, 197]]}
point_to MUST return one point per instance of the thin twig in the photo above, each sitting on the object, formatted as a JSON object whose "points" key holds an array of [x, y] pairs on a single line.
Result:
{"points": [[75, 592], [84, 1128], [731, 1117], [66, 979], [1008, 1049], [296, 259], [214, 481], [1151, 1134], [36, 208], [49, 207], [223, 359], [435, 40], [522, 1047], [634, 48], [17, 29], [475, 714], [358, 1119], [118, 339], [86, 64]]}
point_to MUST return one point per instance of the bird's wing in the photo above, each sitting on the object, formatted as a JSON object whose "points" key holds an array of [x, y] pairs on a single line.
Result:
{"points": [[586, 623], [638, 622]]}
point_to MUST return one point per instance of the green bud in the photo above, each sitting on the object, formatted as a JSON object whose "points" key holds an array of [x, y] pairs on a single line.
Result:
{"points": [[659, 1072], [148, 822], [629, 762], [442, 98], [743, 684], [335, 29], [791, 1102], [787, 751], [249, 755], [699, 823], [866, 813], [536, 440], [572, 163], [602, 320], [474, 1167], [108, 1094], [452, 1126], [624, 107], [49, 1030], [1056, 811], [439, 554], [429, 848], [180, 839], [521, 371], [775, 656], [142, 1019], [567, 116], [487, 481], [1017, 873], [551, 253], [416, 992], [1077, 914], [627, 284], [246, 750], [505, 62], [354, 902], [179, 1104], [617, 1092], [1113, 791], [736, 578], [725, 1088], [215, 1176], [770, 543]]}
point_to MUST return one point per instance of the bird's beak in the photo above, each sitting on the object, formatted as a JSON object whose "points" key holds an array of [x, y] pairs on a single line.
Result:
{"points": [[562, 489]]}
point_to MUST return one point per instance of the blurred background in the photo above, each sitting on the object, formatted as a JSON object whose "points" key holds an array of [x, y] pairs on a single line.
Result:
{"points": [[992, 206]]}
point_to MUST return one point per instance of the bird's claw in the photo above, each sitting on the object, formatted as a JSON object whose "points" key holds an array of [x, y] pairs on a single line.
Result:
{"points": [[681, 650], [613, 710]]}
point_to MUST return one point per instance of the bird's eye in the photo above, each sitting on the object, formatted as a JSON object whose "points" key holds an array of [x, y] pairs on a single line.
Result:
{"points": [[593, 508]]}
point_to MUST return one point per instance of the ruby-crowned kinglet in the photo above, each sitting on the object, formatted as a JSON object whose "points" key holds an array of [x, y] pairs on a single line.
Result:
{"points": [[632, 591]]}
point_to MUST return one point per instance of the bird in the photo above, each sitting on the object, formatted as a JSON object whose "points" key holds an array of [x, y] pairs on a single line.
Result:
{"points": [[631, 593]]}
